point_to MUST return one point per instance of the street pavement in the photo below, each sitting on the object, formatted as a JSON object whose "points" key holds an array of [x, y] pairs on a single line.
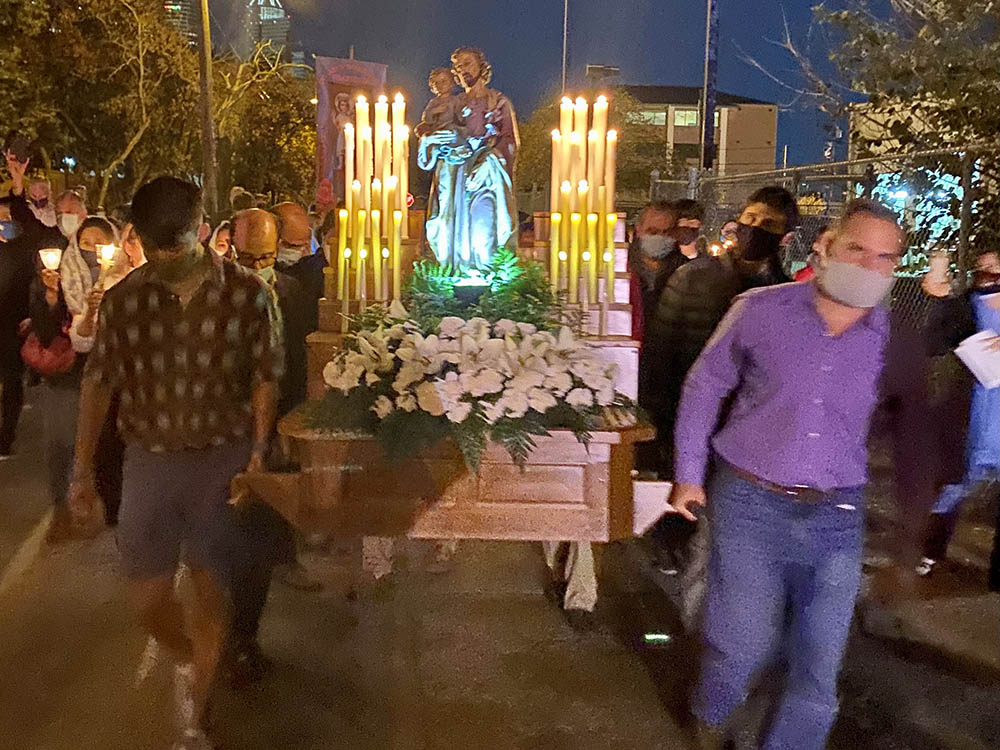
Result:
{"points": [[473, 658]]}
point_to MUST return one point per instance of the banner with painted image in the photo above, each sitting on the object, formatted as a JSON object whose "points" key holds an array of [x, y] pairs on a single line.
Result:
{"points": [[339, 82]]}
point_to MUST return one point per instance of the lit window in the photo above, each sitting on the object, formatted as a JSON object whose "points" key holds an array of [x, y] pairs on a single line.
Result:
{"points": [[685, 118]]}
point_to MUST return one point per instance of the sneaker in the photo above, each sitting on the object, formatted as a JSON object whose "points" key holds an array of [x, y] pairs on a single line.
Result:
{"points": [[925, 567], [193, 739], [184, 698]]}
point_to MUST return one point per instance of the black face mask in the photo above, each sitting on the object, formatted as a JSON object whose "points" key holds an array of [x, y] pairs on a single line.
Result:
{"points": [[686, 235], [756, 244]]}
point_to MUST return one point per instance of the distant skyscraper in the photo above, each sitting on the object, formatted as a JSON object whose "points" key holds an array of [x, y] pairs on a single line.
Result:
{"points": [[185, 15], [263, 21]]}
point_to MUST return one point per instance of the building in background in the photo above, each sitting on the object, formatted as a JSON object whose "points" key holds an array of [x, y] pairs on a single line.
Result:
{"points": [[185, 16], [746, 130], [263, 22]]}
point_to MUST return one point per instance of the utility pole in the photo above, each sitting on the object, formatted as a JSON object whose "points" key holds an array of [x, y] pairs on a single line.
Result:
{"points": [[710, 91], [565, 42], [209, 178]]}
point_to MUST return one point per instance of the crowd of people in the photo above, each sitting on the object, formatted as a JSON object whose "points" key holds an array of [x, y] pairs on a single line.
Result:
{"points": [[164, 350]]}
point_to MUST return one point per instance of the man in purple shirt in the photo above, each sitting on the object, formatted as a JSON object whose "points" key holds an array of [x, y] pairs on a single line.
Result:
{"points": [[802, 367]]}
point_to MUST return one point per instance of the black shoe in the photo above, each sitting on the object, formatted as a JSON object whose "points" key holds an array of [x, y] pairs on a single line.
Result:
{"points": [[248, 665], [580, 620]]}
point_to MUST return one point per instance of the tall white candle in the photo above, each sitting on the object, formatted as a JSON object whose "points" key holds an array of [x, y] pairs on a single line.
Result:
{"points": [[381, 120], [348, 168], [566, 116], [610, 167], [555, 179]]}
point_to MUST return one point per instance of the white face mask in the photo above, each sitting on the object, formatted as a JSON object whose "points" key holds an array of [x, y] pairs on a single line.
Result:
{"points": [[655, 245], [68, 224], [289, 255], [853, 285]]}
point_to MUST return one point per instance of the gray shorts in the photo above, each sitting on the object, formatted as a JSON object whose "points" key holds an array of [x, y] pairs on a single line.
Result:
{"points": [[179, 501]]}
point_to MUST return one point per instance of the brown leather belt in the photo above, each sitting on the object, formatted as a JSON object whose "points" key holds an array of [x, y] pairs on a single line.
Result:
{"points": [[797, 493]]}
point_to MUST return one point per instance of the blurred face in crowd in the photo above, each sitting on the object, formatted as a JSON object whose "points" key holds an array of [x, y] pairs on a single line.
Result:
{"points": [[986, 271], [653, 223], [70, 214], [91, 237], [222, 241], [294, 240], [39, 193], [867, 241], [766, 217], [255, 237]]}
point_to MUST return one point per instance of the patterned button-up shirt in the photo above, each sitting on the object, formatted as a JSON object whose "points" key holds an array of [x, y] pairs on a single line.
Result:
{"points": [[185, 374]]}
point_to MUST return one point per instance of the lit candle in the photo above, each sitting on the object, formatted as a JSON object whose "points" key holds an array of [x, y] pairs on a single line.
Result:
{"points": [[362, 125], [599, 199], [345, 309], [574, 257], [384, 286], [582, 196], [554, 245], [566, 207], [601, 128], [397, 250], [349, 169], [404, 183], [376, 206], [556, 177], [359, 243], [594, 251], [343, 222], [610, 165], [580, 114], [51, 257], [577, 169], [390, 195], [105, 256], [566, 116], [592, 177], [587, 259], [362, 278], [609, 257], [381, 121], [366, 168], [386, 173], [375, 245]]}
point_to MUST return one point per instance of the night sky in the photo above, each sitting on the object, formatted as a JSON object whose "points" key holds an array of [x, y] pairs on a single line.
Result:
{"points": [[652, 41]]}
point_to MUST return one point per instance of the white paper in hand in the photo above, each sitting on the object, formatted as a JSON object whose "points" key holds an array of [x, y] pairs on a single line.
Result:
{"points": [[981, 359]]}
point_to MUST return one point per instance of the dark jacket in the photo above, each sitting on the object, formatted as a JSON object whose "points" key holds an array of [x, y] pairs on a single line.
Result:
{"points": [[17, 269], [297, 313], [309, 273], [46, 324]]}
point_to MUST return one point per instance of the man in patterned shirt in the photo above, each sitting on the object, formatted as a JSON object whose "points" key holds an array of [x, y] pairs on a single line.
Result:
{"points": [[185, 343]]}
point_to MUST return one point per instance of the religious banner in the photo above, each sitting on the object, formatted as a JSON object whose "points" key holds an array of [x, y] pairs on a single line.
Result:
{"points": [[339, 82]]}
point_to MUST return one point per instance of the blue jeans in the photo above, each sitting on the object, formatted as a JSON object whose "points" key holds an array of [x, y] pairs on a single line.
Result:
{"points": [[782, 579]]}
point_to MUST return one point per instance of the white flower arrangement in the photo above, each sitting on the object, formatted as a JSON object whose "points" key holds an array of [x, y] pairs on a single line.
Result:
{"points": [[504, 381]]}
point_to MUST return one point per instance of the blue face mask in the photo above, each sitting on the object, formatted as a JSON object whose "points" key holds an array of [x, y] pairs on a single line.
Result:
{"points": [[9, 230]]}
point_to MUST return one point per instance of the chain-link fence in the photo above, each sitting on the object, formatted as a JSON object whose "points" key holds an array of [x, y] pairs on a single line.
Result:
{"points": [[928, 191]]}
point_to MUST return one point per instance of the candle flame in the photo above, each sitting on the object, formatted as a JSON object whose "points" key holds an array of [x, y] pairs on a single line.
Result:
{"points": [[50, 257], [406, 131], [387, 131], [356, 184], [575, 218], [557, 216], [575, 138], [584, 185], [392, 182], [362, 253], [362, 99], [591, 218], [581, 102], [343, 214], [366, 132], [107, 253], [556, 134], [348, 127], [592, 135], [562, 255], [567, 102], [602, 100], [383, 99], [347, 252], [376, 184], [385, 252], [612, 135], [399, 98], [398, 215], [566, 186], [586, 256], [607, 257]]}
